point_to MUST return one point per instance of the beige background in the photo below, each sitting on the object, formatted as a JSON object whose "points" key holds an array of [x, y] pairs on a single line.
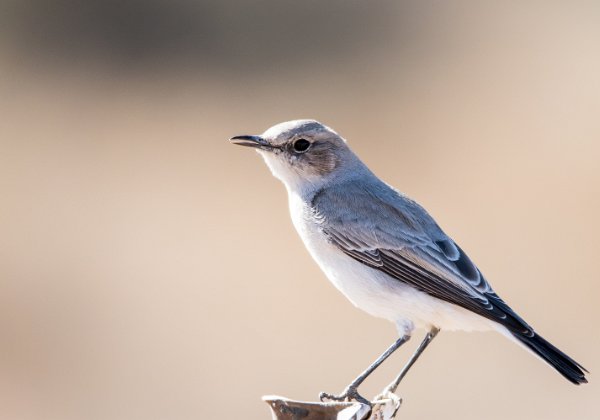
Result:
{"points": [[149, 270]]}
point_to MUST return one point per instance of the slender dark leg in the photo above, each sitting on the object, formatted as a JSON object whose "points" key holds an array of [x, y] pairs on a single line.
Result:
{"points": [[351, 393], [391, 388]]}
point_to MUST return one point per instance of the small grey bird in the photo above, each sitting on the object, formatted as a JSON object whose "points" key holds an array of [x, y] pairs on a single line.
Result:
{"points": [[383, 251]]}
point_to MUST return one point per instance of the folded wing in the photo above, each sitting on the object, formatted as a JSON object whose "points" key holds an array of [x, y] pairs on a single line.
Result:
{"points": [[391, 233]]}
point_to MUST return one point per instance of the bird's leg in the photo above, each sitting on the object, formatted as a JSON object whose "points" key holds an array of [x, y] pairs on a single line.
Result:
{"points": [[351, 391], [391, 388]]}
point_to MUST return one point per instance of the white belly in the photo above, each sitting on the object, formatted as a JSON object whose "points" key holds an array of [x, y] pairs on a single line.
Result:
{"points": [[379, 294]]}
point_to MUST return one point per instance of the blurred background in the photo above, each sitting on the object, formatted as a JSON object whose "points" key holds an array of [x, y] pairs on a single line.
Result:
{"points": [[149, 269]]}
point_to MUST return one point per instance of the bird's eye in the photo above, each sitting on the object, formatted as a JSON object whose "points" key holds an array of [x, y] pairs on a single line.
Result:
{"points": [[301, 145]]}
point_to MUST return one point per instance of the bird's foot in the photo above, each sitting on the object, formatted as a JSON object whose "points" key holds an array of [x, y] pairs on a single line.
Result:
{"points": [[386, 394], [349, 394]]}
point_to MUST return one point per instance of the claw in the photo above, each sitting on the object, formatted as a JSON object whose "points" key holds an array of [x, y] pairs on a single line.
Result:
{"points": [[324, 397], [349, 394], [386, 394]]}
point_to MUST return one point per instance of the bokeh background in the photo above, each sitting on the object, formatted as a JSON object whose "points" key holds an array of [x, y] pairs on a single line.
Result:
{"points": [[149, 270]]}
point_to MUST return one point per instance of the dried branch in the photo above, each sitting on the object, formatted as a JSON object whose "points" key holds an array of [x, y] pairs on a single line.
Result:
{"points": [[384, 408]]}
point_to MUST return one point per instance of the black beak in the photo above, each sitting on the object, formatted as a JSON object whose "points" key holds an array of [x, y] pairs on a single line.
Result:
{"points": [[251, 141]]}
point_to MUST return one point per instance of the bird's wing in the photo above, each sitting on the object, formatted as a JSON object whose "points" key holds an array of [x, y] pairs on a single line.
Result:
{"points": [[387, 231]]}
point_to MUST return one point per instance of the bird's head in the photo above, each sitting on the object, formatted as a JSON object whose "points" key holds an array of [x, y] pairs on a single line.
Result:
{"points": [[303, 154]]}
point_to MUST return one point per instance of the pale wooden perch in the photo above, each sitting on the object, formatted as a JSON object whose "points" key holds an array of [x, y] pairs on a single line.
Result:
{"points": [[384, 408]]}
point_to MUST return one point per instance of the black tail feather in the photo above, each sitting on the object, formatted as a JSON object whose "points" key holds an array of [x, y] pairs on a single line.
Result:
{"points": [[566, 366]]}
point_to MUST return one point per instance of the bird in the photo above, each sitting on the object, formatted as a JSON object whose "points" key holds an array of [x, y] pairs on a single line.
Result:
{"points": [[383, 250]]}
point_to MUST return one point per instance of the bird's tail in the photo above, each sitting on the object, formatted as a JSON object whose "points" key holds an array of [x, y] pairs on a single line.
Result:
{"points": [[566, 366]]}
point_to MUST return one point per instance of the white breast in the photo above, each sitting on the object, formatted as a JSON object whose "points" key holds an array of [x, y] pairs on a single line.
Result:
{"points": [[374, 291]]}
